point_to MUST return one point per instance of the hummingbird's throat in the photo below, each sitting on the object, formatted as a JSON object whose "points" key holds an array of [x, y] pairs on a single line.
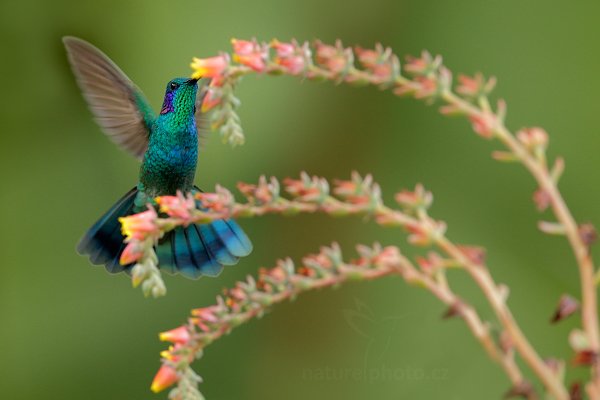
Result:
{"points": [[167, 106]]}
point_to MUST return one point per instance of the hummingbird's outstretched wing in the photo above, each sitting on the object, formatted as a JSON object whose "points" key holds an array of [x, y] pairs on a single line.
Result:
{"points": [[119, 107], [202, 119]]}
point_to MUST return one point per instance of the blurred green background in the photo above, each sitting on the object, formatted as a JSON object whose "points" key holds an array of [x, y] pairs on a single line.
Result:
{"points": [[70, 331]]}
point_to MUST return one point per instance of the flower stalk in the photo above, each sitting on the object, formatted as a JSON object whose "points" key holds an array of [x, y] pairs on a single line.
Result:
{"points": [[357, 196], [252, 298], [426, 78]]}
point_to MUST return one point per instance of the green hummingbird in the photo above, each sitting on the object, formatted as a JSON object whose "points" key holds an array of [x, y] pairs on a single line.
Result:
{"points": [[167, 145]]}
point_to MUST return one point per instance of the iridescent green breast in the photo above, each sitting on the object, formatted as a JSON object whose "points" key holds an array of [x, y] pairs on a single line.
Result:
{"points": [[170, 162]]}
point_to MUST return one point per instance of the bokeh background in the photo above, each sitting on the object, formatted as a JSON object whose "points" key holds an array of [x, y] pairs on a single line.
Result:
{"points": [[70, 331]]}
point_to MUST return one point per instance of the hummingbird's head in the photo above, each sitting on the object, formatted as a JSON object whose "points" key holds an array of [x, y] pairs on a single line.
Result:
{"points": [[180, 97]]}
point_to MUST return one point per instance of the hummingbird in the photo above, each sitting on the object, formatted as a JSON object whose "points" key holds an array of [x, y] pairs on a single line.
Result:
{"points": [[167, 146]]}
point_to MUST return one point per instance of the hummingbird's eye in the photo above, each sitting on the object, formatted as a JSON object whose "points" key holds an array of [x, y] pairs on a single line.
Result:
{"points": [[174, 85]]}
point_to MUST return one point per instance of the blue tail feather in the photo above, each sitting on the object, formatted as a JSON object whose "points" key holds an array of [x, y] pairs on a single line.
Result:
{"points": [[215, 246], [195, 250], [114, 266], [233, 237], [103, 241], [183, 256], [207, 263], [165, 255]]}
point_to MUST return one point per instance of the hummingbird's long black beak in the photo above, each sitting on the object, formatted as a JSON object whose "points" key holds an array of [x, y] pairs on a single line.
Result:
{"points": [[192, 81]]}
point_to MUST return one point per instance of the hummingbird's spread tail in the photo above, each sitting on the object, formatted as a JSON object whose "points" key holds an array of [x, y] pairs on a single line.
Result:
{"points": [[195, 250]]}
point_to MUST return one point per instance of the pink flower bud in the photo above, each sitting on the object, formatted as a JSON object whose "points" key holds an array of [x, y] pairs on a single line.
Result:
{"points": [[419, 198], [336, 58], [247, 189], [533, 138], [475, 86], [304, 189], [319, 260], [418, 235], [274, 275], [177, 335], [422, 65], [426, 87], [358, 190], [179, 206], [388, 257], [541, 199], [165, 377], [132, 253], [290, 57], [345, 188], [250, 54], [474, 254], [484, 124], [220, 201], [263, 193], [243, 47], [212, 67], [205, 314], [352, 191], [432, 262], [380, 62], [567, 306], [237, 293]]}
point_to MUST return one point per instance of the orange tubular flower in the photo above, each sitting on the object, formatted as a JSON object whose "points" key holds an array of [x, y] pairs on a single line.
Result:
{"points": [[212, 67], [177, 335], [139, 226], [165, 377], [131, 253]]}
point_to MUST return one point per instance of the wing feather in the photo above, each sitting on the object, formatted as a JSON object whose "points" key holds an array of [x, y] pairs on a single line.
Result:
{"points": [[118, 106]]}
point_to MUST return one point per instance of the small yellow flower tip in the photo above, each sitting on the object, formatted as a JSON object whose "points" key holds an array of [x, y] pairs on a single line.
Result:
{"points": [[155, 388], [195, 74], [124, 226], [136, 281], [165, 377], [166, 354]]}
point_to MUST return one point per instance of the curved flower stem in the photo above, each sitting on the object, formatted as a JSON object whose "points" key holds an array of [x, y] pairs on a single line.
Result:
{"points": [[484, 280], [479, 329], [249, 300], [361, 196], [426, 78], [497, 299], [547, 183]]}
